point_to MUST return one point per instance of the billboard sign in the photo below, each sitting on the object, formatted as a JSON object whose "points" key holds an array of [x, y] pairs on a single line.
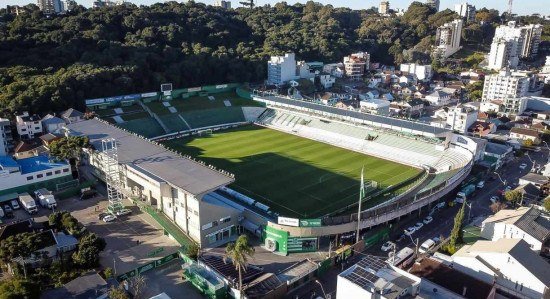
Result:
{"points": [[310, 222], [192, 89], [149, 94], [288, 221], [221, 86], [278, 236], [166, 87], [131, 97], [95, 101]]}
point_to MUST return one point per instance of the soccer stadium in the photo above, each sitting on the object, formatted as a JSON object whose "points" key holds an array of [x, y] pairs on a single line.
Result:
{"points": [[286, 170]]}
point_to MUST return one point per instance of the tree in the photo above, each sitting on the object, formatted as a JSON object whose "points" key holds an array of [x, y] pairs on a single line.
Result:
{"points": [[63, 220], [528, 142], [117, 293], [137, 285], [456, 233], [546, 204], [238, 253], [20, 245], [192, 251], [69, 147], [89, 247], [513, 197], [18, 288]]}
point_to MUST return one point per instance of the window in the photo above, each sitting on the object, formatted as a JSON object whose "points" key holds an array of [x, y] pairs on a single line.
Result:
{"points": [[57, 171], [29, 178], [66, 170], [38, 176], [48, 173]]}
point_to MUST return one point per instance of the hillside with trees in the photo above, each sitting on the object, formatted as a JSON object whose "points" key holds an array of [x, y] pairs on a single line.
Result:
{"points": [[49, 64]]}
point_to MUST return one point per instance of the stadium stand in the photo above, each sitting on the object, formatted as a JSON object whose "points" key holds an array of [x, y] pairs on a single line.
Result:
{"points": [[216, 116], [251, 114], [148, 127]]}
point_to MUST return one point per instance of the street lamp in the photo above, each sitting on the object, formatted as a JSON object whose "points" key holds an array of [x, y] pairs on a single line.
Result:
{"points": [[502, 181], [415, 243], [322, 289]]}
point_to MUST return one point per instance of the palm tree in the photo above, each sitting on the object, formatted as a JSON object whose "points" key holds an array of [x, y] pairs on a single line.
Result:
{"points": [[238, 253]]}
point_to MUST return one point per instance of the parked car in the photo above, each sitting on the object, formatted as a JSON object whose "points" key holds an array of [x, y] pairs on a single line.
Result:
{"points": [[15, 204], [426, 246], [123, 212], [493, 199], [109, 218], [102, 215], [523, 166], [428, 220], [480, 184], [387, 246], [418, 225], [410, 230], [436, 239]]}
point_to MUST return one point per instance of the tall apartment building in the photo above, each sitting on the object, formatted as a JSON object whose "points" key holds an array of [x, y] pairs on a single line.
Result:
{"points": [[433, 4], [466, 11], [281, 69], [507, 89], [512, 42], [356, 64], [448, 39], [6, 139], [50, 7], [460, 118], [28, 126], [106, 3], [223, 4], [384, 7]]}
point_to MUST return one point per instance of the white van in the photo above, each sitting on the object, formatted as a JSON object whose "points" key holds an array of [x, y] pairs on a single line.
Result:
{"points": [[426, 246]]}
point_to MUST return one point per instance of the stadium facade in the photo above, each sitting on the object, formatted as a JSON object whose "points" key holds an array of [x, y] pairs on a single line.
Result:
{"points": [[196, 196]]}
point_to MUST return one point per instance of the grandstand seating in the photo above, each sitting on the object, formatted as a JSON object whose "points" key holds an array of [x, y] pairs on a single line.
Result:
{"points": [[147, 127], [385, 143], [212, 117]]}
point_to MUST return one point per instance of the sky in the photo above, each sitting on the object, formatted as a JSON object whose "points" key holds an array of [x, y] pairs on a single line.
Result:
{"points": [[521, 7]]}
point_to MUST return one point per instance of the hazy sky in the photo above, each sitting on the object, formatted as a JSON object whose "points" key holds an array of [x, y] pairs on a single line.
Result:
{"points": [[520, 7]]}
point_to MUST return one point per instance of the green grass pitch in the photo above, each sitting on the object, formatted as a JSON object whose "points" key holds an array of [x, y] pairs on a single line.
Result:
{"points": [[296, 177]]}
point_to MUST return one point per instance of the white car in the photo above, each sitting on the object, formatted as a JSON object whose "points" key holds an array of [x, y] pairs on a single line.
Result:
{"points": [[523, 166], [123, 212], [428, 220], [387, 246], [418, 225], [409, 231], [481, 184], [493, 199], [109, 218]]}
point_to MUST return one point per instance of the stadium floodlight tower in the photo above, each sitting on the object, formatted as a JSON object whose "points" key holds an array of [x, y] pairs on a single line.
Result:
{"points": [[112, 174]]}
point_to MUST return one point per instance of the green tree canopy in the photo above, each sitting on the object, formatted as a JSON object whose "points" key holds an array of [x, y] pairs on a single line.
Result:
{"points": [[69, 147], [239, 253], [513, 197]]}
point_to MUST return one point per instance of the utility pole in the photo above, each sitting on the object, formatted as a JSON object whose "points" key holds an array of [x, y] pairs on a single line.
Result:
{"points": [[361, 195]]}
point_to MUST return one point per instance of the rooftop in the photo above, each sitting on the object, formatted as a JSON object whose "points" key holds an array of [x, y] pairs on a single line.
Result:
{"points": [[90, 285], [522, 131], [534, 178], [7, 162], [181, 172], [38, 163], [71, 113]]}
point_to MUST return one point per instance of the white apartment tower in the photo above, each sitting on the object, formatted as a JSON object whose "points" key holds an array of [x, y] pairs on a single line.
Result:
{"points": [[512, 42], [460, 118], [49, 7], [508, 89], [281, 69], [28, 126], [384, 7], [466, 11], [223, 4], [448, 39], [356, 64], [433, 4], [5, 137]]}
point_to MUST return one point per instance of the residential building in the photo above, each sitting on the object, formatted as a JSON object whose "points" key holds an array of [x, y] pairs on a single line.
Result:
{"points": [[356, 64], [533, 178], [461, 118], [448, 39], [466, 11], [89, 285], [482, 128], [25, 175], [106, 3], [326, 80], [438, 98], [29, 148], [496, 154], [433, 4], [281, 69], [384, 8], [52, 123], [527, 223], [375, 106], [71, 115], [6, 139], [223, 4], [504, 85], [50, 7], [28, 126], [546, 67], [509, 264], [525, 134], [335, 69], [512, 42], [422, 72], [373, 278]]}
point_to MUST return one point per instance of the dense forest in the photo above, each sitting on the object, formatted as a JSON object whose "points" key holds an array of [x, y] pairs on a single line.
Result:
{"points": [[51, 63]]}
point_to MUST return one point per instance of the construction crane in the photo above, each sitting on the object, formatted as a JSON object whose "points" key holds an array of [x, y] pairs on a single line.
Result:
{"points": [[510, 7], [249, 4]]}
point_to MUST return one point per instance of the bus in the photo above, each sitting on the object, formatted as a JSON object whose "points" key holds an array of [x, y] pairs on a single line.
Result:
{"points": [[403, 258]]}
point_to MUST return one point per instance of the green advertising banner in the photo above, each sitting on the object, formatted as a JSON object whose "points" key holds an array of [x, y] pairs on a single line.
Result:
{"points": [[308, 244], [278, 236], [310, 222]]}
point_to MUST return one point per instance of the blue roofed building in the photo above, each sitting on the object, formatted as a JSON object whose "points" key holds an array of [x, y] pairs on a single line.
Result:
{"points": [[29, 174]]}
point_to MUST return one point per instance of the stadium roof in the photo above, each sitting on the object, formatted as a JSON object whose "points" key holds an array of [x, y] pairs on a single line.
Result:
{"points": [[181, 172], [423, 127]]}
